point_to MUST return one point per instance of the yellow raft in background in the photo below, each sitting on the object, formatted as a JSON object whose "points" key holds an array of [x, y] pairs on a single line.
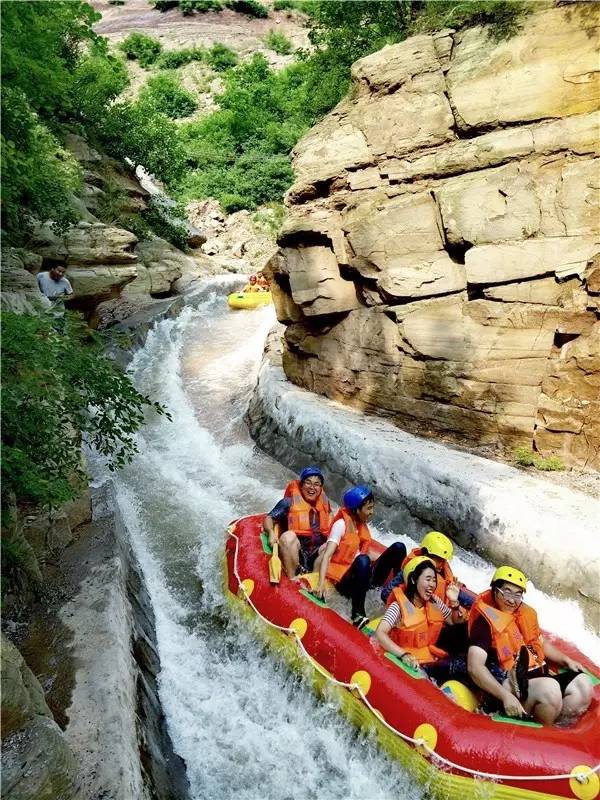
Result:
{"points": [[249, 299]]}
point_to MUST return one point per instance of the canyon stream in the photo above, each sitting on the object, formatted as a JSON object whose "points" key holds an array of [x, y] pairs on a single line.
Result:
{"points": [[245, 725]]}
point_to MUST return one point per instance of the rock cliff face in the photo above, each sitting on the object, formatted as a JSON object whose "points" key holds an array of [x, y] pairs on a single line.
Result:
{"points": [[37, 761], [440, 260]]}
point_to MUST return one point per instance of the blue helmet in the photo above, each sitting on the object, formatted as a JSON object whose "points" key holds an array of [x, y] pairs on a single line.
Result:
{"points": [[309, 472], [355, 497]]}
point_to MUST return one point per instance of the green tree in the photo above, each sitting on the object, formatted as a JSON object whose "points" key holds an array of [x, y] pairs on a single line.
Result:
{"points": [[279, 43], [178, 58], [240, 154], [250, 7], [42, 45], [221, 57], [147, 139], [141, 47], [188, 7], [57, 388], [38, 175], [353, 30], [98, 80], [165, 94], [502, 17]]}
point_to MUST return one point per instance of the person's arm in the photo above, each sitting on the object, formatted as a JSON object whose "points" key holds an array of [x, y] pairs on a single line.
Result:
{"points": [[40, 283], [388, 644], [559, 658], [330, 548], [398, 580], [269, 529], [68, 287], [276, 520], [482, 677], [335, 537], [457, 614]]}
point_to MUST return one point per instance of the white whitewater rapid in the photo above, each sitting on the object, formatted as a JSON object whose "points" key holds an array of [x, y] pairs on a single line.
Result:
{"points": [[245, 726]]}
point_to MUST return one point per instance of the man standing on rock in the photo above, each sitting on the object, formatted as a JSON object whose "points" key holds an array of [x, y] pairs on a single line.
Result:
{"points": [[53, 284]]}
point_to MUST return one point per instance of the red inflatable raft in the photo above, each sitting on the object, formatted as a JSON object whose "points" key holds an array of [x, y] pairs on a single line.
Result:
{"points": [[458, 753]]}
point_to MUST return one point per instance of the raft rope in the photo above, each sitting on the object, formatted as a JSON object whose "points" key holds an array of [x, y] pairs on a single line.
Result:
{"points": [[581, 777]]}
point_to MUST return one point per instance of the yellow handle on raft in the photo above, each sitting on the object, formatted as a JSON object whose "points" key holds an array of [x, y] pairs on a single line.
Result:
{"points": [[275, 561], [275, 565]]}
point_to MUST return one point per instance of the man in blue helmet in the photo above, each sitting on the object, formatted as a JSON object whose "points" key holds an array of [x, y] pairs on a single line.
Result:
{"points": [[346, 558], [300, 521]]}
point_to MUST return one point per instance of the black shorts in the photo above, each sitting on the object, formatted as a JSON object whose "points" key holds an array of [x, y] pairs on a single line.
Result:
{"points": [[309, 550], [491, 705], [563, 678]]}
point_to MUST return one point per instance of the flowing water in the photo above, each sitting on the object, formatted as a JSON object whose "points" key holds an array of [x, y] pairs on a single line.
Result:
{"points": [[245, 726]]}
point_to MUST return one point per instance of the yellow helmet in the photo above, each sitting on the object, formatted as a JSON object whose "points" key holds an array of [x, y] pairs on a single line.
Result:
{"points": [[438, 544], [511, 575], [412, 565]]}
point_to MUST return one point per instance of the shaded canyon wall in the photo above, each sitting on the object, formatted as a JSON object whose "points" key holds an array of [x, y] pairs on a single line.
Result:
{"points": [[439, 264]]}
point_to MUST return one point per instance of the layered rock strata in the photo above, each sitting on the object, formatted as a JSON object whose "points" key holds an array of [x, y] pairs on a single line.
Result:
{"points": [[439, 264], [488, 508]]}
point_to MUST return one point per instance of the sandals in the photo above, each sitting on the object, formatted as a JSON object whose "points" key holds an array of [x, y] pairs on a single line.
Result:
{"points": [[360, 621]]}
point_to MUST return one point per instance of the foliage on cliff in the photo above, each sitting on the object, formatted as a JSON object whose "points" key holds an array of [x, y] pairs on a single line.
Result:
{"points": [[58, 76], [240, 154], [56, 387]]}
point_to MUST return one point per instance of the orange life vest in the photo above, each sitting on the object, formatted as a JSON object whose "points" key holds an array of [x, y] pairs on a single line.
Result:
{"points": [[418, 629], [356, 538], [299, 514], [444, 577], [510, 631]]}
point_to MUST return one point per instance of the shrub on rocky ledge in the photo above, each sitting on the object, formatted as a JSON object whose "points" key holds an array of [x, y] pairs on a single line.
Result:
{"points": [[58, 386], [279, 43], [525, 457], [165, 94], [141, 47]]}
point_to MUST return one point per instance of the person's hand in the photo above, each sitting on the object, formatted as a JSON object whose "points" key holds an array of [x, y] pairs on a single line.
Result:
{"points": [[512, 707], [573, 665], [410, 660], [452, 592], [319, 592]]}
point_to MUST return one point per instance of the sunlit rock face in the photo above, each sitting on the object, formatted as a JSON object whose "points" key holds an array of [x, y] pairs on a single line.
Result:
{"points": [[439, 264]]}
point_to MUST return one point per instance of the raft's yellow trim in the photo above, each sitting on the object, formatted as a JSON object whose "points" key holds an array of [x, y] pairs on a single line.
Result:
{"points": [[442, 785]]}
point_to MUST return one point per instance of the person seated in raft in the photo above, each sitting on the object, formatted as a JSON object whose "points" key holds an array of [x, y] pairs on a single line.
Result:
{"points": [[346, 560], [263, 282], [504, 635], [414, 620], [303, 516], [252, 285], [438, 547]]}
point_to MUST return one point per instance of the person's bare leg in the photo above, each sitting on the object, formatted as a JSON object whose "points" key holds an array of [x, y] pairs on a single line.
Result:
{"points": [[319, 558], [290, 552], [544, 702], [577, 697]]}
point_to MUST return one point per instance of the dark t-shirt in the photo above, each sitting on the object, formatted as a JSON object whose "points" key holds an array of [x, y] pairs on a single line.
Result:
{"points": [[481, 636]]}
